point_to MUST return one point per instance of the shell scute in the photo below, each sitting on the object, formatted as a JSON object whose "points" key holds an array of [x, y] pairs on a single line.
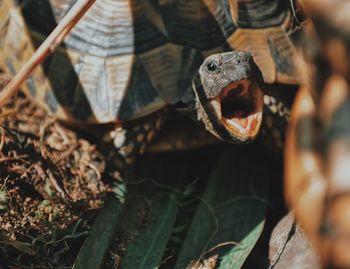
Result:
{"points": [[113, 28]]}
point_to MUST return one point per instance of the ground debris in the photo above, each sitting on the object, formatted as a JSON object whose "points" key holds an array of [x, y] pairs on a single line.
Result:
{"points": [[209, 263], [50, 184]]}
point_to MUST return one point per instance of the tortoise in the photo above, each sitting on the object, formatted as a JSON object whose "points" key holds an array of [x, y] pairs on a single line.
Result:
{"points": [[317, 147], [126, 62]]}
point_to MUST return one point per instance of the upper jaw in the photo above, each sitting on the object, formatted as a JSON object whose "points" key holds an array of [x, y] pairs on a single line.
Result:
{"points": [[239, 108]]}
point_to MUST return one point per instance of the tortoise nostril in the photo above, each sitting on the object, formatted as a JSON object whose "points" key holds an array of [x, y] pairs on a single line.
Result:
{"points": [[244, 59]]}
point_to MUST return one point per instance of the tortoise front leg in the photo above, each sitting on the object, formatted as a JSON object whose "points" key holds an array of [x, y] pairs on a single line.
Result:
{"points": [[124, 143]]}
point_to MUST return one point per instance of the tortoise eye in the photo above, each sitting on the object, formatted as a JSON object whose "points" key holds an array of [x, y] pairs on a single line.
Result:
{"points": [[212, 66]]}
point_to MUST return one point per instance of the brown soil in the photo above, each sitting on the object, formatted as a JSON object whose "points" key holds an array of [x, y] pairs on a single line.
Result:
{"points": [[50, 186]]}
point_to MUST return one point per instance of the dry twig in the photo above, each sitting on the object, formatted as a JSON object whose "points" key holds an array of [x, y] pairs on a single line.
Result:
{"points": [[46, 48]]}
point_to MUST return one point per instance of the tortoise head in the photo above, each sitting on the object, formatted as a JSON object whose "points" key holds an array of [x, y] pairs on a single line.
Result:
{"points": [[229, 96]]}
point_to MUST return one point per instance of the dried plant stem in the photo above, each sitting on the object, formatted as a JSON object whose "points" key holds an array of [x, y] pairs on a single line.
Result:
{"points": [[46, 48]]}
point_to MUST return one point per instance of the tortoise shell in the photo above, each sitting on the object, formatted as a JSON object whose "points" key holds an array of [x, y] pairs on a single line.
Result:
{"points": [[128, 58]]}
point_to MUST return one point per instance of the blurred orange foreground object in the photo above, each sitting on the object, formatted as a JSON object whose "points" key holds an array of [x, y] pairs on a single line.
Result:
{"points": [[305, 187], [47, 47], [317, 186], [317, 153]]}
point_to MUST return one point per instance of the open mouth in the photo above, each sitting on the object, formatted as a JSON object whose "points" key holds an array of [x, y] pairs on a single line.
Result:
{"points": [[241, 105]]}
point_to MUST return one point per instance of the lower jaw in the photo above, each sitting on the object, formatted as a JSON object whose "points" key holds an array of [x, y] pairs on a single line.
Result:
{"points": [[244, 133]]}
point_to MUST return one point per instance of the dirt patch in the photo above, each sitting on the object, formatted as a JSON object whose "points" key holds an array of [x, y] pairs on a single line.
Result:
{"points": [[50, 185]]}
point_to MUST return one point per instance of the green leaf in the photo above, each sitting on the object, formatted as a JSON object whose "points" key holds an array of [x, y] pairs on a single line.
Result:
{"points": [[180, 228], [96, 246], [238, 254], [159, 183], [45, 203], [147, 250], [48, 190], [231, 214]]}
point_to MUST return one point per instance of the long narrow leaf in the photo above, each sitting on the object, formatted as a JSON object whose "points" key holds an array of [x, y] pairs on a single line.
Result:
{"points": [[97, 244], [147, 250]]}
